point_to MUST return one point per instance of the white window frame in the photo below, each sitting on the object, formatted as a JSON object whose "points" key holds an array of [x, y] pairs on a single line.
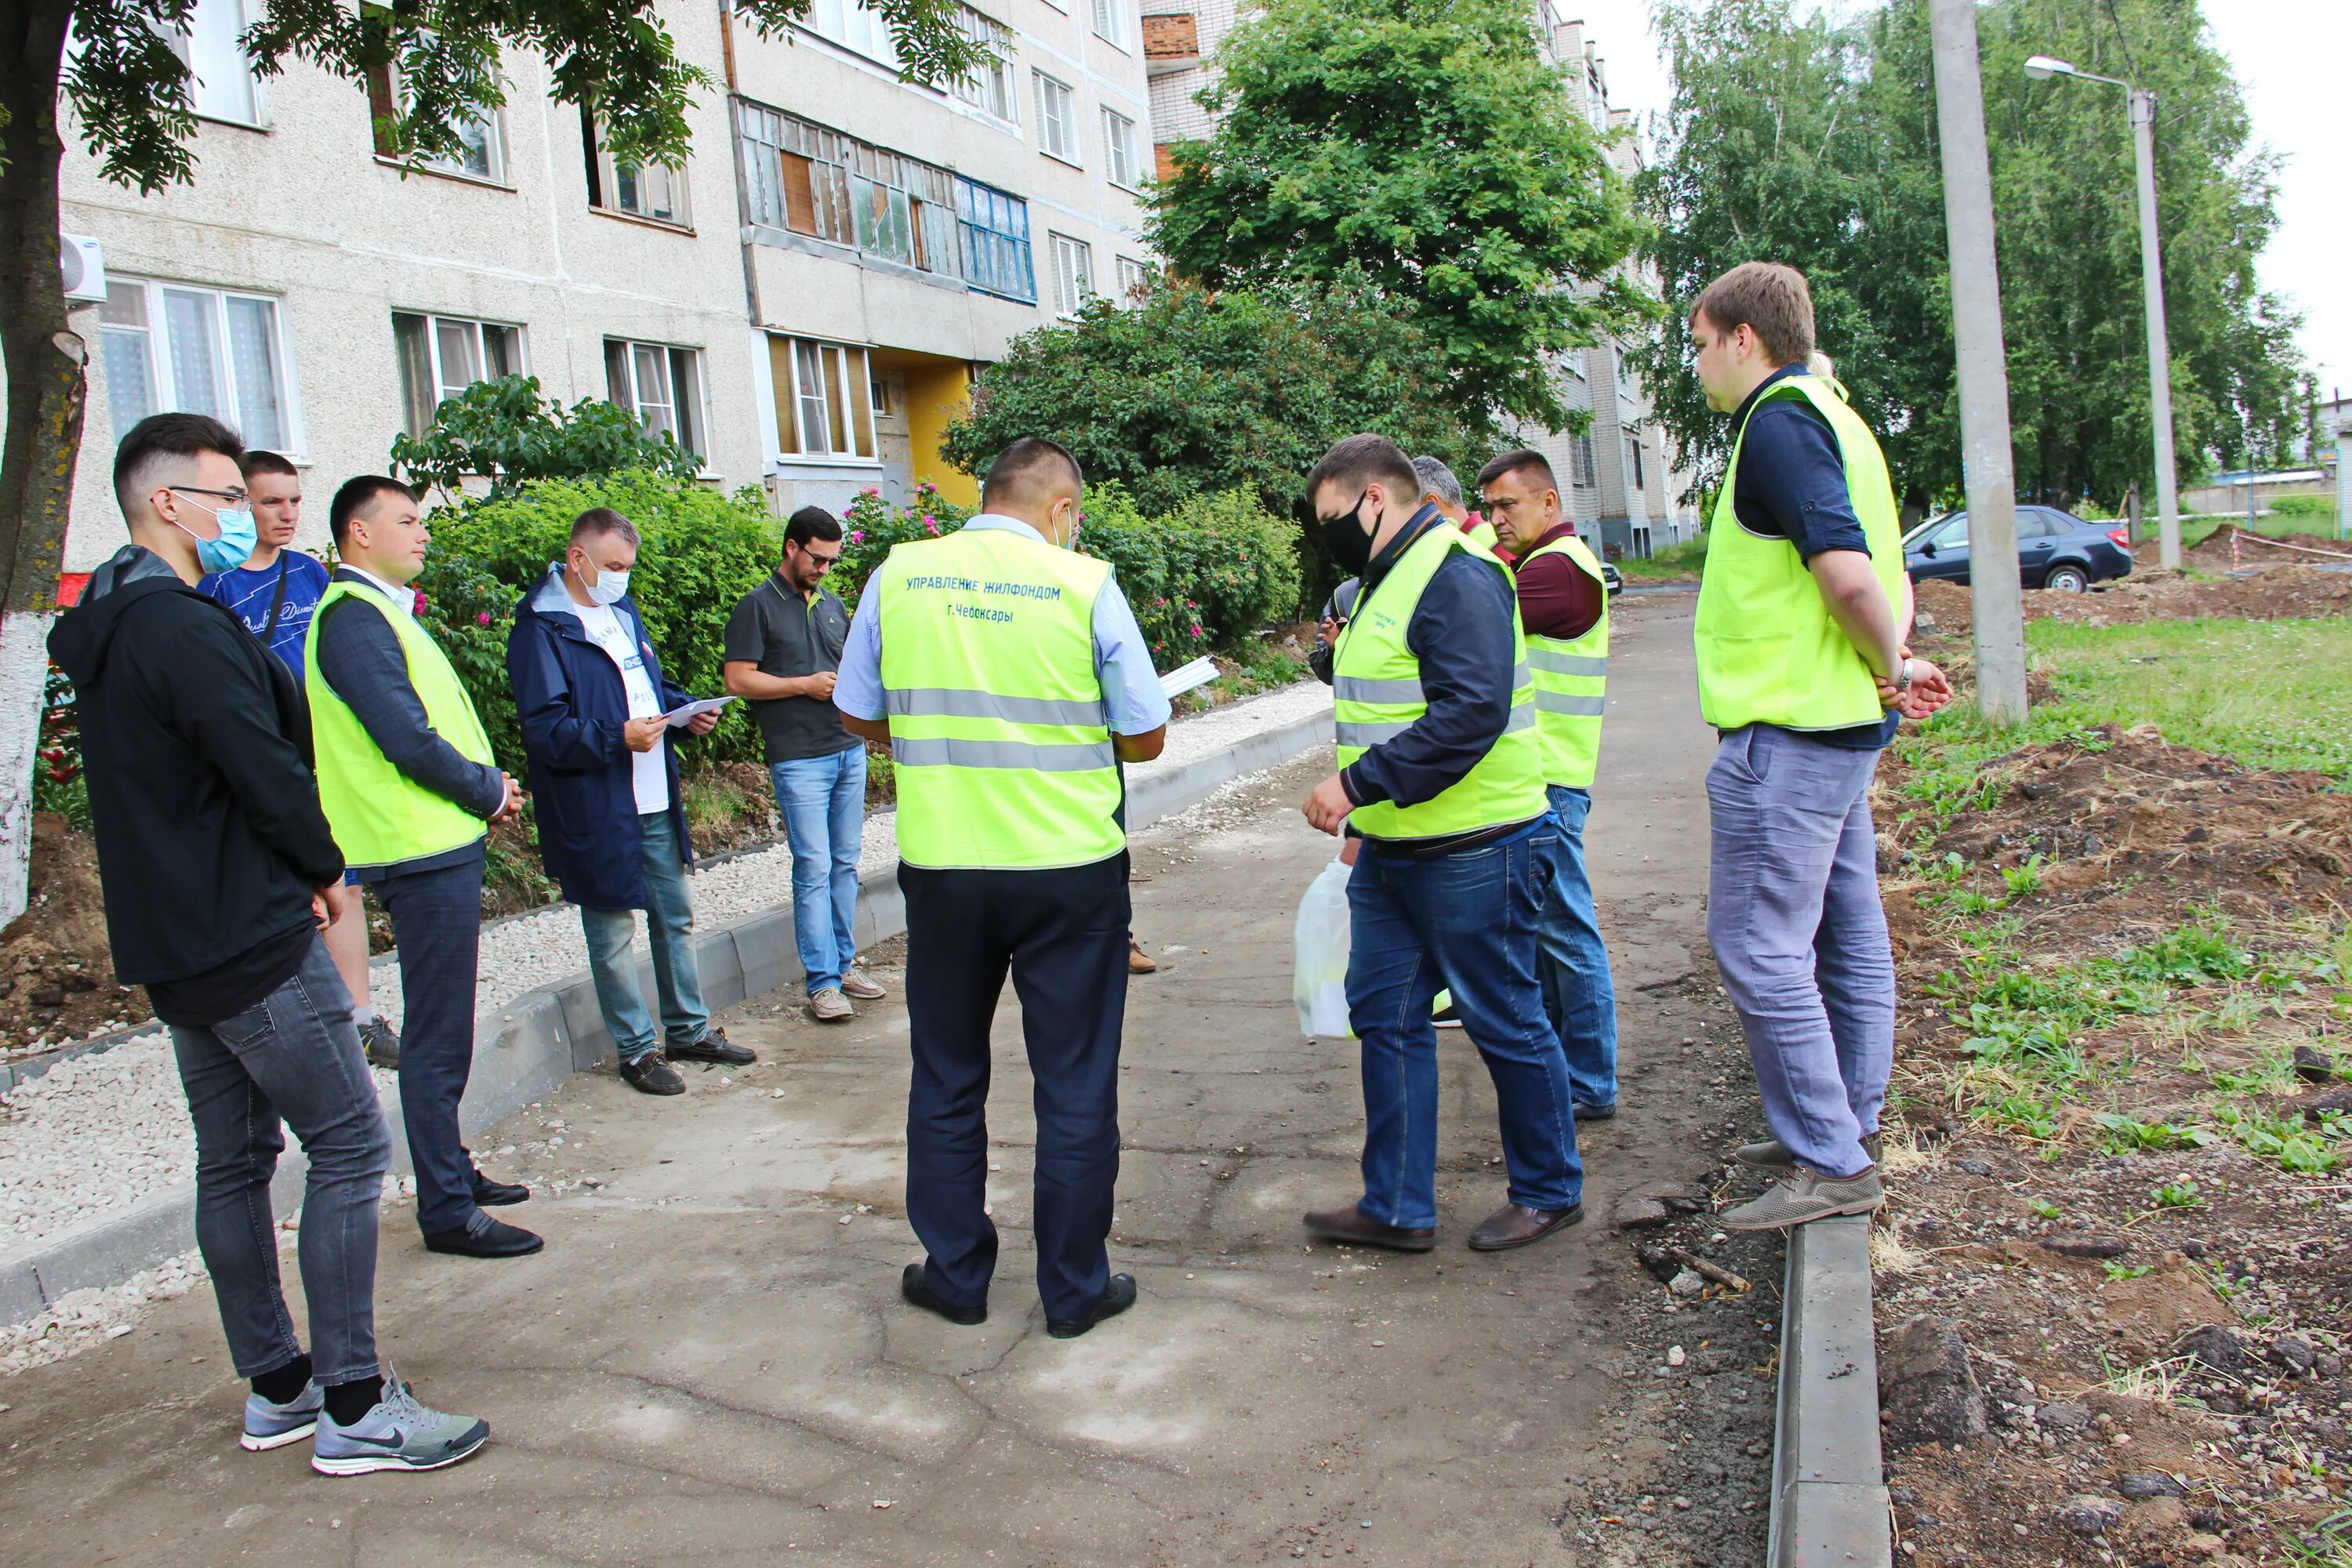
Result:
{"points": [[855, 27], [207, 16], [1119, 161], [1058, 136], [1074, 268], [493, 138], [1115, 24], [807, 372], [994, 90], [693, 433], [607, 194], [1132, 274], [445, 384], [161, 392]]}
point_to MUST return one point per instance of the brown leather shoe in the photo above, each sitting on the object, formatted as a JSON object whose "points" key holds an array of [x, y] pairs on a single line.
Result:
{"points": [[1354, 1228], [1140, 962], [1516, 1225]]}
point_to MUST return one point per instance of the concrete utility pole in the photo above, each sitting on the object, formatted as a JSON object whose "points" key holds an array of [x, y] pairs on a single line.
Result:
{"points": [[1998, 611]]}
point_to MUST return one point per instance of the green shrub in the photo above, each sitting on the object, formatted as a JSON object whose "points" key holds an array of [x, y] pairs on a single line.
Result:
{"points": [[872, 525], [2304, 506], [500, 430]]}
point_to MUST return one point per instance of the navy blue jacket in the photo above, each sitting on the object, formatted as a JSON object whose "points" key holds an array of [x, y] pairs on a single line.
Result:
{"points": [[573, 708]]}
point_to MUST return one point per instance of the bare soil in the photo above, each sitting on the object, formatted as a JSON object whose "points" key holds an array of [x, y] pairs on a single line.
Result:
{"points": [[2273, 593], [57, 976]]}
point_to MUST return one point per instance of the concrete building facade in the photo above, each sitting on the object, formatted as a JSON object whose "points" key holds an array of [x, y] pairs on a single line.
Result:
{"points": [[802, 305]]}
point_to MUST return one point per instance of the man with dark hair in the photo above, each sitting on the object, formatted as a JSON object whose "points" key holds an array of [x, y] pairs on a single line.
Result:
{"points": [[590, 697], [217, 870], [1803, 673], [783, 647], [1009, 678], [407, 778], [1440, 772], [1564, 612]]}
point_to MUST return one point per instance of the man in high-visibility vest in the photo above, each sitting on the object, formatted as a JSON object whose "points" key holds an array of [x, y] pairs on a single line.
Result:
{"points": [[1009, 676], [408, 781], [1803, 673], [1441, 770], [1564, 609], [1440, 488]]}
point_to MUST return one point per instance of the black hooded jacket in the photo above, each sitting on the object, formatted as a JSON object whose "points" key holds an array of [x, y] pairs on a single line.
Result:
{"points": [[196, 745]]}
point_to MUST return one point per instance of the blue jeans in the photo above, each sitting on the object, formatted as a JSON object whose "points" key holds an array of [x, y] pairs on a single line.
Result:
{"points": [[1793, 914], [293, 1055], [823, 803], [1578, 995], [669, 931], [1467, 923]]}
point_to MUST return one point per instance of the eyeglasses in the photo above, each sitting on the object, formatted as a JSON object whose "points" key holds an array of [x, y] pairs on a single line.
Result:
{"points": [[241, 496]]}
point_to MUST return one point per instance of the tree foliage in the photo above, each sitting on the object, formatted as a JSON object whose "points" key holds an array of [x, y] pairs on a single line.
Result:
{"points": [[1424, 146], [503, 431], [1794, 138]]}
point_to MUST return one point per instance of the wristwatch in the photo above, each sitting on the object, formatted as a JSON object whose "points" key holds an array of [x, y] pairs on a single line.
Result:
{"points": [[1903, 677]]}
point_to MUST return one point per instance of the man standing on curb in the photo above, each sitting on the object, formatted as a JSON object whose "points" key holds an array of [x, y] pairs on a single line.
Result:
{"points": [[1564, 608], [406, 777], [218, 869], [1803, 672], [783, 651], [589, 698], [1009, 676], [1441, 771]]}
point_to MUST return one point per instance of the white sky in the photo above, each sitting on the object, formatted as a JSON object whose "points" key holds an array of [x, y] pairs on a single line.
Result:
{"points": [[2289, 55]]}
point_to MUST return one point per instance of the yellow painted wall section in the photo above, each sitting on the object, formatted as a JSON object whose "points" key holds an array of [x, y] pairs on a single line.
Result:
{"points": [[935, 397]]}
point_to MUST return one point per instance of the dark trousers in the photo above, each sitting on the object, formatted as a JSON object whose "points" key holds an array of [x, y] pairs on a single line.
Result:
{"points": [[436, 919], [1062, 934]]}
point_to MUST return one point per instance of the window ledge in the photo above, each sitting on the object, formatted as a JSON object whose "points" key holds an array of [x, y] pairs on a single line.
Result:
{"points": [[667, 225], [827, 460], [478, 182], [1058, 158], [258, 126]]}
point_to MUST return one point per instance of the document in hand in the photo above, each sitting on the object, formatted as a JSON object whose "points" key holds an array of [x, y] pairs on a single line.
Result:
{"points": [[687, 712], [1200, 672]]}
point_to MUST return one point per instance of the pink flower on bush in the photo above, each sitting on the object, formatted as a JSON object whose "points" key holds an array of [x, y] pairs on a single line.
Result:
{"points": [[869, 490], [929, 526], [484, 618], [418, 608], [857, 537]]}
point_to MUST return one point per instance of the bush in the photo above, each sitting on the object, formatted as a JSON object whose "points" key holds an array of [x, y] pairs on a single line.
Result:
{"points": [[500, 430], [2304, 506], [702, 552]]}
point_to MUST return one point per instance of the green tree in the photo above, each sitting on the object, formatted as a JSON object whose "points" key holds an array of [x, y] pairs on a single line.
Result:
{"points": [[1424, 145], [501, 430]]}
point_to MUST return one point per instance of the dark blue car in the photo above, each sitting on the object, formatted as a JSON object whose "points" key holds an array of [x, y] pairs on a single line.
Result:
{"points": [[2055, 549]]}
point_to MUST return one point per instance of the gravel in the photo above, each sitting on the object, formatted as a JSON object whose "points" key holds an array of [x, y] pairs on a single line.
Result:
{"points": [[100, 1132]]}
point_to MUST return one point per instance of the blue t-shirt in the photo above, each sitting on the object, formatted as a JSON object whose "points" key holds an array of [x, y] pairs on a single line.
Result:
{"points": [[249, 594]]}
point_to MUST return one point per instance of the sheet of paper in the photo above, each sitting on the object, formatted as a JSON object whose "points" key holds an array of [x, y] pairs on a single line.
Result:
{"points": [[687, 712], [1178, 681]]}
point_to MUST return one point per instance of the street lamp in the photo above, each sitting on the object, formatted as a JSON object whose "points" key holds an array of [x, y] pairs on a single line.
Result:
{"points": [[2042, 68]]}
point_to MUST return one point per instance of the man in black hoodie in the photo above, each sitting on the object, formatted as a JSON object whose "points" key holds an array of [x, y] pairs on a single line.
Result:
{"points": [[220, 871]]}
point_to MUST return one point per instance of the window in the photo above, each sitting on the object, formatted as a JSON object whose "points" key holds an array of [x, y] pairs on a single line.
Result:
{"points": [[440, 356], [824, 400], [482, 153], [989, 86], [1583, 463], [995, 231], [1120, 149], [802, 177], [1074, 282], [1953, 535], [662, 386], [653, 191], [1134, 280], [1634, 459], [169, 348], [1057, 122], [1112, 24], [851, 25], [221, 84]]}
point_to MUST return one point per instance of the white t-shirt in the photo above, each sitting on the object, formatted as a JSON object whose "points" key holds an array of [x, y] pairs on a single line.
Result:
{"points": [[648, 772]]}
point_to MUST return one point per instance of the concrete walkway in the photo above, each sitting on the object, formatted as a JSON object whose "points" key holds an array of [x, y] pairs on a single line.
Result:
{"points": [[709, 1364]]}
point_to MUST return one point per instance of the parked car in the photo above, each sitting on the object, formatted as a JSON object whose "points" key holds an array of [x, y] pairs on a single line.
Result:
{"points": [[2055, 549], [1611, 579]]}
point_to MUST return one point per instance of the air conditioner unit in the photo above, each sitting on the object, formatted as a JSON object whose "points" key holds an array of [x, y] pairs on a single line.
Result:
{"points": [[85, 267]]}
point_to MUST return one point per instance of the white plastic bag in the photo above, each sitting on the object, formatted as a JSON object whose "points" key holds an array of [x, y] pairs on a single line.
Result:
{"points": [[1319, 979]]}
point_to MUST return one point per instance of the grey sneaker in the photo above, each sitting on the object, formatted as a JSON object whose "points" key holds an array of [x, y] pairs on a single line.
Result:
{"points": [[830, 1007], [1772, 1155], [399, 1434], [1806, 1196], [269, 1426], [382, 1043], [862, 985]]}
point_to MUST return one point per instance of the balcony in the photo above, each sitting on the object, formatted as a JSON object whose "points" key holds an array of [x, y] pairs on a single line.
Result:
{"points": [[1171, 44]]}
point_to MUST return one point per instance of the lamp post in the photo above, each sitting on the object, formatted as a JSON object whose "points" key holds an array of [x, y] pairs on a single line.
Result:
{"points": [[2042, 68]]}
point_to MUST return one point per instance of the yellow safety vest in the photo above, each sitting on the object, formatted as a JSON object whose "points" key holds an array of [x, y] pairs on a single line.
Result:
{"points": [[1571, 677]]}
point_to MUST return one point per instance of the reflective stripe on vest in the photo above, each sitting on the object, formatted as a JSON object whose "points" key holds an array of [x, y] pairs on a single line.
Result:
{"points": [[1000, 736], [381, 816], [1377, 695], [1769, 651], [1571, 677]]}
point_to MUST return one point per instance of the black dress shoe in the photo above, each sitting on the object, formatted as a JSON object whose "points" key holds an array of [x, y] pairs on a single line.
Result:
{"points": [[486, 1237], [918, 1294], [492, 1194], [1596, 1113], [1516, 1225], [1117, 1297], [714, 1046], [1354, 1228], [651, 1074]]}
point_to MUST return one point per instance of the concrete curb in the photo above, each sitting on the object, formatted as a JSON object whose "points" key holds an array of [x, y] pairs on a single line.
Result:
{"points": [[1829, 1490], [526, 1047]]}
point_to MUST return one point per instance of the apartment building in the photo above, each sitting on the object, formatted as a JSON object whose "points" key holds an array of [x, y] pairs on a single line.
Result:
{"points": [[802, 305]]}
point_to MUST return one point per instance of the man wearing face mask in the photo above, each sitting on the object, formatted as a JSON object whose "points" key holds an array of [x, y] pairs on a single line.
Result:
{"points": [[407, 775], [1441, 770], [590, 696], [1009, 678]]}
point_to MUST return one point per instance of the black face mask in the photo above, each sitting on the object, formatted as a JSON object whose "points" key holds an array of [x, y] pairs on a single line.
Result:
{"points": [[1345, 541]]}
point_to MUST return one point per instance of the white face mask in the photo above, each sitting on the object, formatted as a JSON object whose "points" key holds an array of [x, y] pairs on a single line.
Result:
{"points": [[604, 588]]}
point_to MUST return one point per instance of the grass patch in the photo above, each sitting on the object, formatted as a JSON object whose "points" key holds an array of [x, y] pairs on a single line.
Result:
{"points": [[2197, 529], [1264, 664], [1675, 563]]}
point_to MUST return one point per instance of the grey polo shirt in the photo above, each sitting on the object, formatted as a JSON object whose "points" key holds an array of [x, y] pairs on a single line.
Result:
{"points": [[786, 636]]}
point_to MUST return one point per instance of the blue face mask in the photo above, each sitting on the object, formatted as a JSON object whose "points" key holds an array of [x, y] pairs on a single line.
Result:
{"points": [[235, 546]]}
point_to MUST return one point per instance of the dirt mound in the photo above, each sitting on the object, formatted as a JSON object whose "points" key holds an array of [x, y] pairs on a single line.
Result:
{"points": [[57, 977], [2274, 593], [2210, 554]]}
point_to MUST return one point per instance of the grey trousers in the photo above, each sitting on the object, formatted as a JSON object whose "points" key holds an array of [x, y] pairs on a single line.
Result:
{"points": [[1799, 935]]}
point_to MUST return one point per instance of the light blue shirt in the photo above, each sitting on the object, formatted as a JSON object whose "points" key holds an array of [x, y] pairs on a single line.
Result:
{"points": [[1130, 685]]}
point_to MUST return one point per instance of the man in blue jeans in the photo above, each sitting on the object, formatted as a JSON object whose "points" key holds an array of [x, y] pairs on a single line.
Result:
{"points": [[1441, 772], [783, 651], [590, 697]]}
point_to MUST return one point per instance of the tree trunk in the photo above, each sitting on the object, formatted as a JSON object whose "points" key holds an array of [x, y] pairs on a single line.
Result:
{"points": [[45, 360]]}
